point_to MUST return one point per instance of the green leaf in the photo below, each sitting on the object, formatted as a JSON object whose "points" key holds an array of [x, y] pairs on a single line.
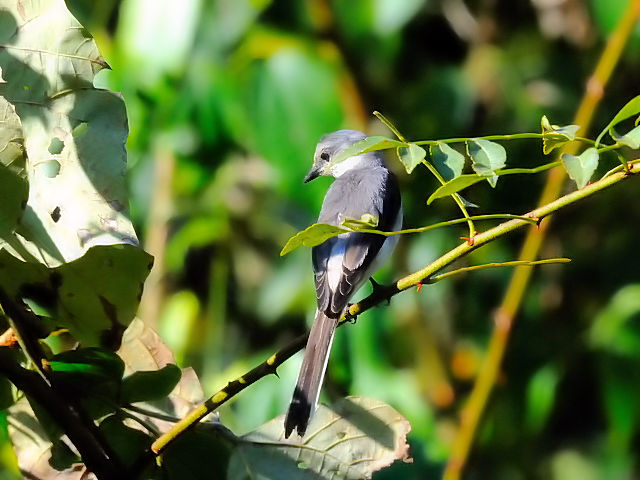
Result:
{"points": [[94, 362], [312, 236], [540, 397], [369, 144], [142, 386], [554, 136], [487, 157], [630, 109], [128, 443], [448, 161], [354, 438], [456, 185], [14, 189], [6, 393], [631, 139], [367, 221], [411, 156], [580, 168], [613, 329], [95, 296]]}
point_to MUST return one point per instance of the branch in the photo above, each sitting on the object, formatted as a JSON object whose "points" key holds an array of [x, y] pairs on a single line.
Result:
{"points": [[380, 294], [505, 315], [85, 436]]}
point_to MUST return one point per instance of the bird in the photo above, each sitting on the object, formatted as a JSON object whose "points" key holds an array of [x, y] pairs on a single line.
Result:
{"points": [[342, 264]]}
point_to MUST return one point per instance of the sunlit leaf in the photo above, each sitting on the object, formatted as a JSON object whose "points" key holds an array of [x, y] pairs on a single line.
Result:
{"points": [[369, 144], [448, 161], [95, 296], [312, 236], [581, 167], [630, 109], [365, 221], [14, 189], [411, 156], [457, 184], [353, 439], [631, 139], [74, 136], [554, 136], [143, 350], [88, 361], [487, 157]]}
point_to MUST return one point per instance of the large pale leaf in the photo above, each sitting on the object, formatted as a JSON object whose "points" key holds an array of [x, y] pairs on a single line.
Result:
{"points": [[14, 188], [143, 350], [354, 438], [36, 454], [95, 296], [74, 137]]}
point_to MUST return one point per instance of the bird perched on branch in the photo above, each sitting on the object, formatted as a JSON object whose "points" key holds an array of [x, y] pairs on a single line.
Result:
{"points": [[363, 185]]}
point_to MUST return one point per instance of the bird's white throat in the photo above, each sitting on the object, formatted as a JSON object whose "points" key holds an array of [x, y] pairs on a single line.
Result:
{"points": [[347, 164]]}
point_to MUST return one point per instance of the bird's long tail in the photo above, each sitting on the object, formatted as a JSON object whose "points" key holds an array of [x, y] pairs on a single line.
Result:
{"points": [[314, 365]]}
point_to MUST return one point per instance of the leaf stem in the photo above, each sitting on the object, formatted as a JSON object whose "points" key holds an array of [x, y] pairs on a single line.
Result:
{"points": [[456, 198], [515, 263], [390, 126]]}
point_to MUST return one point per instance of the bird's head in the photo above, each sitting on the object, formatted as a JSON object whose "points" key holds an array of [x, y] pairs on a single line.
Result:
{"points": [[328, 148]]}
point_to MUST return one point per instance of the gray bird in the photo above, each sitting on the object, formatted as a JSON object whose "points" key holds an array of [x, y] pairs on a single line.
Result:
{"points": [[342, 264]]}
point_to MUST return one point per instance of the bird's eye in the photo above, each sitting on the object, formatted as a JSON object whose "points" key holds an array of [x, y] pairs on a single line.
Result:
{"points": [[324, 156]]}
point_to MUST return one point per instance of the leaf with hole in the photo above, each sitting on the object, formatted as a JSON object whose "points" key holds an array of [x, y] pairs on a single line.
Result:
{"points": [[487, 157], [448, 162], [581, 167]]}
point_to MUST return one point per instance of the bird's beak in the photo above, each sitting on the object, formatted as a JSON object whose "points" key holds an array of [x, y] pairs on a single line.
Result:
{"points": [[313, 173]]}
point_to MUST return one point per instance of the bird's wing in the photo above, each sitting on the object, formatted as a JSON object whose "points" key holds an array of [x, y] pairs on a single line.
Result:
{"points": [[357, 250]]}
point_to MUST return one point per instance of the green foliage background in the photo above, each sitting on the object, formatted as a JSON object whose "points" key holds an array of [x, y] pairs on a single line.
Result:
{"points": [[226, 101]]}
